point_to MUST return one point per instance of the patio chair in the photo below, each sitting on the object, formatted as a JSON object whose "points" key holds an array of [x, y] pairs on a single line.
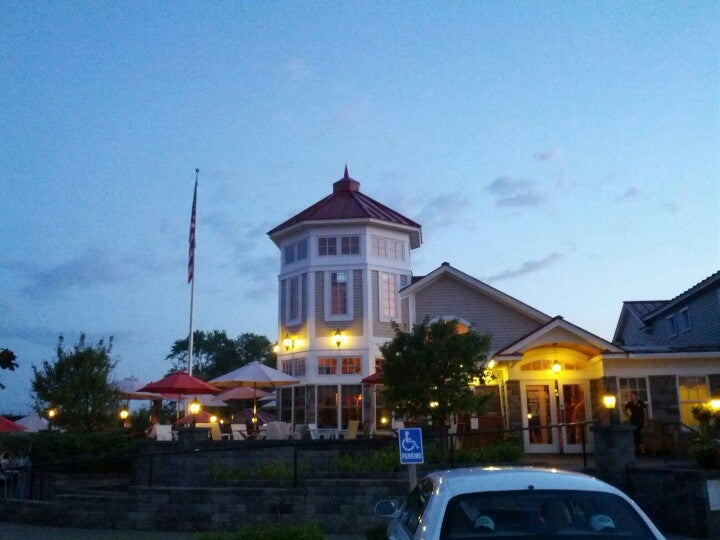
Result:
{"points": [[314, 433], [239, 432], [163, 432], [352, 429]]}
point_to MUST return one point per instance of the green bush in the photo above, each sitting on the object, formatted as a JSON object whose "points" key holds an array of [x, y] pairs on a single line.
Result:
{"points": [[384, 460], [270, 531], [276, 470]]}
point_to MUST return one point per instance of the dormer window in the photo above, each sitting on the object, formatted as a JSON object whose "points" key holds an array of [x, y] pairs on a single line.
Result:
{"points": [[685, 320], [672, 326]]}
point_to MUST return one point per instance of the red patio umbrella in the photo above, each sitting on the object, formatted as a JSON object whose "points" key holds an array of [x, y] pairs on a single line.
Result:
{"points": [[179, 384], [375, 378], [9, 425]]}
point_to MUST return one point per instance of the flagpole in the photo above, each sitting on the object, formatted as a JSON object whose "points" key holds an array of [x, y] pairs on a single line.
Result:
{"points": [[191, 271]]}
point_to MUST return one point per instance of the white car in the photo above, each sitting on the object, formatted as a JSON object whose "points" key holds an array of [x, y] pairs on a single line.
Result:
{"points": [[511, 502]]}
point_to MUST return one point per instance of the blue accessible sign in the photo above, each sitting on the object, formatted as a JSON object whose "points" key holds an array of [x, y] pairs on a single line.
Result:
{"points": [[410, 441]]}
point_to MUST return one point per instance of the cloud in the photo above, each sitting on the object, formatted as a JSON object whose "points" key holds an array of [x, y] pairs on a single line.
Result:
{"points": [[527, 267], [551, 154], [445, 209], [631, 193], [511, 191], [92, 268], [298, 68]]}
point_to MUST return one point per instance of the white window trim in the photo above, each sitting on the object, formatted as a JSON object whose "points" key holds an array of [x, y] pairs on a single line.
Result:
{"points": [[670, 324], [349, 316], [288, 320], [382, 300], [683, 328]]}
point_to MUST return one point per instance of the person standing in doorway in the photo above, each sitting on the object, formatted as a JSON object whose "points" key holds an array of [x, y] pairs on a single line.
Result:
{"points": [[636, 411]]}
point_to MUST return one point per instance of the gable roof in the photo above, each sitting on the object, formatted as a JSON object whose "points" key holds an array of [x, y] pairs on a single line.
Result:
{"points": [[587, 340], [346, 202], [695, 289], [445, 269]]}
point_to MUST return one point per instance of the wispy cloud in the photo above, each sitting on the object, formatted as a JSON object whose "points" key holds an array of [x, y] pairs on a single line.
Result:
{"points": [[511, 191], [629, 194], [445, 209], [551, 154], [92, 268], [527, 267]]}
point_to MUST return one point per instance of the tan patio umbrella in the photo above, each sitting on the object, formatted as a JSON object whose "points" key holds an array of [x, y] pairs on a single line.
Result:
{"points": [[255, 375], [129, 387]]}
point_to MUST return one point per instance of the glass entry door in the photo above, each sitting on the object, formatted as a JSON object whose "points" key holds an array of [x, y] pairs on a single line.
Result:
{"points": [[548, 408], [539, 411]]}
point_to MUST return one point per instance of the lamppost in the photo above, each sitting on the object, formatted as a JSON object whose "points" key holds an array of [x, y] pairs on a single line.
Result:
{"points": [[609, 401], [124, 414], [51, 413], [194, 410]]}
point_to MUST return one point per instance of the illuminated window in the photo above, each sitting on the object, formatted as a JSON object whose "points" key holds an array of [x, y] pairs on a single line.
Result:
{"points": [[338, 296], [628, 384], [692, 391], [327, 366], [351, 366]]}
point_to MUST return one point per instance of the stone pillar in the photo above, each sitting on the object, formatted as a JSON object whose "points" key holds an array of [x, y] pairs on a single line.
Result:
{"points": [[614, 452]]}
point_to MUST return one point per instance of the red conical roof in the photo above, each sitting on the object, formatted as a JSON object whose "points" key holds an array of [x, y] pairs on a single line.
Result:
{"points": [[347, 202]]}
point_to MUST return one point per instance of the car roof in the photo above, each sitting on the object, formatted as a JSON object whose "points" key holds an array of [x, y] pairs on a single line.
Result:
{"points": [[470, 480]]}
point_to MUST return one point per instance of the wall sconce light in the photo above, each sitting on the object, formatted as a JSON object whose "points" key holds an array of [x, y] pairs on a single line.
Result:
{"points": [[339, 338], [288, 342], [715, 404], [384, 420], [276, 347], [213, 418], [609, 401]]}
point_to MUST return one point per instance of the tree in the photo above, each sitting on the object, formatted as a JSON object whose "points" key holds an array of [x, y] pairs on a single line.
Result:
{"points": [[7, 361], [214, 353], [426, 372], [77, 383]]}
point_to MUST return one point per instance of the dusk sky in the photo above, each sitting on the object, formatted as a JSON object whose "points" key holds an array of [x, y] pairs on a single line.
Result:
{"points": [[566, 153]]}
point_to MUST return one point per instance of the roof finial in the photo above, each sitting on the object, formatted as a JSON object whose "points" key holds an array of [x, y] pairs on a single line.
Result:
{"points": [[347, 176]]}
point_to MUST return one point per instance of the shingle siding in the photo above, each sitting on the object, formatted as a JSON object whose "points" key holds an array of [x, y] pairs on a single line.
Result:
{"points": [[448, 296]]}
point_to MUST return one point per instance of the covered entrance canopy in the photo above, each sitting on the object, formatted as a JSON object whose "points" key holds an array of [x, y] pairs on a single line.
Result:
{"points": [[553, 384]]}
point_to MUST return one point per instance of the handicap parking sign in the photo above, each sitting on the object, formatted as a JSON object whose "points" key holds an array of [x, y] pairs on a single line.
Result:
{"points": [[410, 442]]}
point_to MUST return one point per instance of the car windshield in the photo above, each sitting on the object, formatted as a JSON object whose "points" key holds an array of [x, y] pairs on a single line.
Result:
{"points": [[542, 513]]}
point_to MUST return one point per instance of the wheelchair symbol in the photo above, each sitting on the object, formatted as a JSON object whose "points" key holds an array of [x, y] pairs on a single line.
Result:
{"points": [[408, 444]]}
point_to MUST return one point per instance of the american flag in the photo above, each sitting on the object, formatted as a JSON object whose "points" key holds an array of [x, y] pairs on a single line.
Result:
{"points": [[191, 255]]}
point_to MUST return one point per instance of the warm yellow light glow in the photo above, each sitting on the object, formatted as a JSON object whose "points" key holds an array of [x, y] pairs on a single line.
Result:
{"points": [[213, 418], [434, 404], [491, 364], [383, 420], [124, 413], [51, 413], [556, 367], [194, 406], [475, 381], [609, 401], [339, 338], [287, 342], [715, 404], [529, 415], [276, 348]]}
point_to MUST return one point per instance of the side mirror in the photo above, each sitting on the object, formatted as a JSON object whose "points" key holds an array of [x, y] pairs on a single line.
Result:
{"points": [[387, 508]]}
